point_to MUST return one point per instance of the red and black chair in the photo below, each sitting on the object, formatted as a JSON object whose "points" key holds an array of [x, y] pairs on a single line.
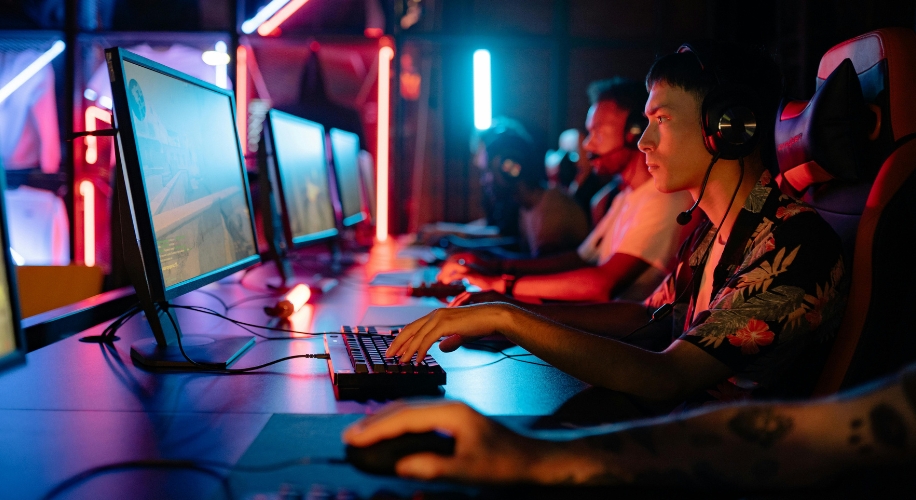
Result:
{"points": [[851, 152]]}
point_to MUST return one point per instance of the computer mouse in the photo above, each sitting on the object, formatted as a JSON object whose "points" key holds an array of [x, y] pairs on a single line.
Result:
{"points": [[379, 458]]}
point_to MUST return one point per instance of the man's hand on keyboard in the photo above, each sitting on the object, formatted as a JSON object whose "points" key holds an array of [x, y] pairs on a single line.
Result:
{"points": [[458, 325]]}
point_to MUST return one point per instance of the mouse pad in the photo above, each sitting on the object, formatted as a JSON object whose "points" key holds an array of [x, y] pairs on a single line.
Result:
{"points": [[287, 438]]}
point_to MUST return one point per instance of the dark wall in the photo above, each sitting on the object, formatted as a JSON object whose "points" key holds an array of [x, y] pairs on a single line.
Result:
{"points": [[545, 52]]}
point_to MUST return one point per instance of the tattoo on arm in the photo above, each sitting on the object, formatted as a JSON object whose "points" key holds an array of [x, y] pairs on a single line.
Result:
{"points": [[887, 429], [705, 440], [765, 469], [760, 425], [887, 426]]}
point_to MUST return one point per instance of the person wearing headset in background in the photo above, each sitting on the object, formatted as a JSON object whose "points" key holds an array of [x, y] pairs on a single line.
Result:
{"points": [[759, 286], [630, 250]]}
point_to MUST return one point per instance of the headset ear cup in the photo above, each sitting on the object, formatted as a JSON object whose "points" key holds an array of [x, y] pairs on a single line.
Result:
{"points": [[729, 124], [633, 129]]}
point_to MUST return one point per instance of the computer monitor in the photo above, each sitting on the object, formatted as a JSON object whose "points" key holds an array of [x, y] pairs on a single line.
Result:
{"points": [[299, 210], [12, 343], [186, 209], [300, 168], [367, 175], [345, 149]]}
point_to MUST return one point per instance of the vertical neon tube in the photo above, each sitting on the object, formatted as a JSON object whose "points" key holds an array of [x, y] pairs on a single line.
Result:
{"points": [[483, 98], [94, 113], [241, 95], [87, 191], [385, 54]]}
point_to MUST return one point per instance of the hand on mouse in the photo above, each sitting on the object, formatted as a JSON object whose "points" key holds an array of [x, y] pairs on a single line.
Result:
{"points": [[463, 264], [458, 324], [469, 298], [485, 451]]}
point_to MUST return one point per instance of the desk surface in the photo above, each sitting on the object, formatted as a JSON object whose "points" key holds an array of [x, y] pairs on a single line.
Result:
{"points": [[75, 405]]}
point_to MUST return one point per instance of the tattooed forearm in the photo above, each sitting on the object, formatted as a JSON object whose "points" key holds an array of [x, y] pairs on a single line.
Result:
{"points": [[705, 440], [887, 426], [760, 425]]}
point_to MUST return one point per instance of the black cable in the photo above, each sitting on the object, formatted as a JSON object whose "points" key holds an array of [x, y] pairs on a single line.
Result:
{"points": [[513, 357], [663, 311], [203, 466], [215, 368], [108, 333], [250, 299], [214, 296], [244, 325]]}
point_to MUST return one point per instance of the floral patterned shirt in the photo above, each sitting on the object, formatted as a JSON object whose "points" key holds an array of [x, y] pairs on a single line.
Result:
{"points": [[778, 294]]}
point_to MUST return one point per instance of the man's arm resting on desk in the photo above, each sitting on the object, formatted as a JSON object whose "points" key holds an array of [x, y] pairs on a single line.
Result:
{"points": [[465, 264], [666, 376], [745, 446], [594, 284], [584, 284]]}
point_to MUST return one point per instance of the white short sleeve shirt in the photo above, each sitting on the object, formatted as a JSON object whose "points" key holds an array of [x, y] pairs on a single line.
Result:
{"points": [[641, 222]]}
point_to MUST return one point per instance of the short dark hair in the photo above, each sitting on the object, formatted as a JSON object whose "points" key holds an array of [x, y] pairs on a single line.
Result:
{"points": [[508, 139], [749, 67], [627, 94]]}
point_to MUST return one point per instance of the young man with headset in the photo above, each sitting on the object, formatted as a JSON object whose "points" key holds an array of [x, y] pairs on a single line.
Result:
{"points": [[630, 250], [758, 287]]}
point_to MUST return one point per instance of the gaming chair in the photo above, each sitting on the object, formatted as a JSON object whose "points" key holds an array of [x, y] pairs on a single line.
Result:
{"points": [[850, 152]]}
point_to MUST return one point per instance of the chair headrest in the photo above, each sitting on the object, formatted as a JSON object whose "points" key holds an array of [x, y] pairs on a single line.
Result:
{"points": [[825, 138], [885, 61]]}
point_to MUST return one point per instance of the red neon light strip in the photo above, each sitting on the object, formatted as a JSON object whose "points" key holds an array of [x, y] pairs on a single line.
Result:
{"points": [[281, 15], [385, 54], [241, 95], [94, 113], [87, 191]]}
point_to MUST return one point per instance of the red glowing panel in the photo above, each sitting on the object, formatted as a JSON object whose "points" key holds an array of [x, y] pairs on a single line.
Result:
{"points": [[385, 55], [241, 95], [94, 113], [87, 191]]}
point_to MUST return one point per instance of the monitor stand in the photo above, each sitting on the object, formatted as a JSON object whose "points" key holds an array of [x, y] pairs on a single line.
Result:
{"points": [[207, 352], [162, 347]]}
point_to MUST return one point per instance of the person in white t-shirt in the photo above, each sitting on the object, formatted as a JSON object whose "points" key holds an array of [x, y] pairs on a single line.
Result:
{"points": [[632, 247]]}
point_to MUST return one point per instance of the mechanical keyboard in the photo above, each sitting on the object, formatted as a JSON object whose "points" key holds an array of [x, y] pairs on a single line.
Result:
{"points": [[357, 362]]}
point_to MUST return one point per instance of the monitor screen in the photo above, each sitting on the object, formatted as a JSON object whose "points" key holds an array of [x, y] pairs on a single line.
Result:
{"points": [[298, 148], [12, 347], [345, 146], [8, 337], [193, 172]]}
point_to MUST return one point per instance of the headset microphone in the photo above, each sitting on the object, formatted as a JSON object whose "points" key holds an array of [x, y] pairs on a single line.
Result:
{"points": [[685, 217]]}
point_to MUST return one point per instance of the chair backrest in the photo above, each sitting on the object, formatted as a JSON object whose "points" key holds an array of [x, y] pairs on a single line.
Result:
{"points": [[874, 211]]}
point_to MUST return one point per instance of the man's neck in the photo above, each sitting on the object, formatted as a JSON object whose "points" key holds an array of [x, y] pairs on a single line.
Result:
{"points": [[635, 174], [721, 187]]}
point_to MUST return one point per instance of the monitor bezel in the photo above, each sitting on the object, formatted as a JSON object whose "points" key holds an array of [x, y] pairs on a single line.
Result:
{"points": [[143, 224], [361, 215], [16, 356], [292, 240]]}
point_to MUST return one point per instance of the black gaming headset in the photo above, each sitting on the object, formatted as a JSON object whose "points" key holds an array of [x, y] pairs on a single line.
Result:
{"points": [[727, 115], [636, 124]]}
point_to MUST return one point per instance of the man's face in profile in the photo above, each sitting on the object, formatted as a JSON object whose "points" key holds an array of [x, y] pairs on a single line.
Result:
{"points": [[604, 142], [673, 141]]}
